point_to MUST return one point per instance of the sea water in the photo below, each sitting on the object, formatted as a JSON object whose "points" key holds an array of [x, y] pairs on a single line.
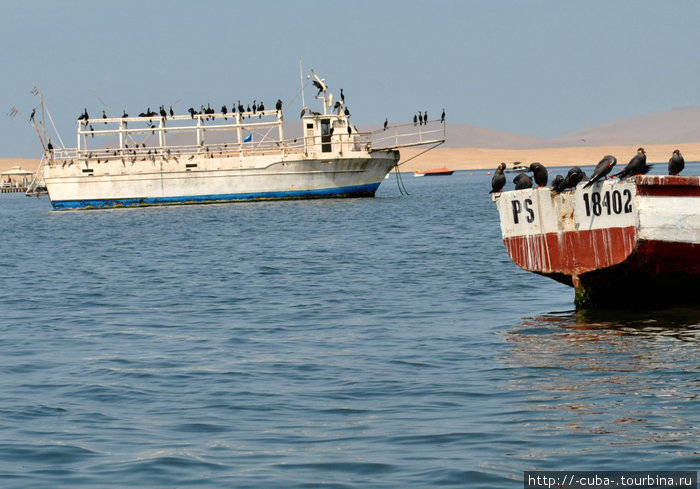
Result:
{"points": [[354, 343]]}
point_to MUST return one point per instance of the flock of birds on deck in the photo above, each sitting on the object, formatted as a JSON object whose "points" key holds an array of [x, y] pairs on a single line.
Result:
{"points": [[208, 111], [636, 166]]}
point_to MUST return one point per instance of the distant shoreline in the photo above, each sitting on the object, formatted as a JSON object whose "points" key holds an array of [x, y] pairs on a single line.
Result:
{"points": [[488, 158]]}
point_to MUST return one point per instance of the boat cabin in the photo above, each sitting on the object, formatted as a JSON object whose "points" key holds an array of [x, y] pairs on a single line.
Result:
{"points": [[329, 133]]}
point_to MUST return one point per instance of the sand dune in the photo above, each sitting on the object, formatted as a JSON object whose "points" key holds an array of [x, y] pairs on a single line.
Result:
{"points": [[481, 158], [487, 158]]}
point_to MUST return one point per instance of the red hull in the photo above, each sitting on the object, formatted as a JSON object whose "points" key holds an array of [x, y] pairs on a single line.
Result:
{"points": [[435, 172]]}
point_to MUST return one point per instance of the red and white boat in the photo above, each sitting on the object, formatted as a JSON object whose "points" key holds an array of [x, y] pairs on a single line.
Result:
{"points": [[433, 173], [618, 243]]}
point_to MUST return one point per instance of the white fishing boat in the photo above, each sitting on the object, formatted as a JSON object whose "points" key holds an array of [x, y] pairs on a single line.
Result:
{"points": [[210, 157]]}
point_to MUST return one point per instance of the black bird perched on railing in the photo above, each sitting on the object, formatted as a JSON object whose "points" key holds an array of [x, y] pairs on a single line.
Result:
{"points": [[676, 163], [192, 112], [499, 179], [386, 123], [83, 116], [604, 167], [278, 105], [573, 178], [415, 119], [172, 112], [522, 181], [425, 117], [224, 110], [420, 118], [104, 116], [31, 116], [636, 166], [442, 117], [124, 115], [163, 113], [539, 172]]}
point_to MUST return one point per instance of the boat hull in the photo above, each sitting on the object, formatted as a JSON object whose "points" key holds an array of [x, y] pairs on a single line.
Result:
{"points": [[616, 243], [213, 180]]}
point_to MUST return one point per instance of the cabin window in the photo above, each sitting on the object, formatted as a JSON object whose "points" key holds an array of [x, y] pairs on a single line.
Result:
{"points": [[325, 135]]}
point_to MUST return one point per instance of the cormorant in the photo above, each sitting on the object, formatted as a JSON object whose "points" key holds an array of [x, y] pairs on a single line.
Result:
{"points": [[522, 181], [49, 146], [415, 119], [342, 95], [636, 166], [557, 181], [347, 112], [278, 105], [442, 117], [420, 118], [163, 113], [540, 174], [425, 117], [571, 179], [172, 113], [676, 163], [318, 85], [604, 167], [499, 179], [386, 123], [104, 116], [31, 117], [124, 115]]}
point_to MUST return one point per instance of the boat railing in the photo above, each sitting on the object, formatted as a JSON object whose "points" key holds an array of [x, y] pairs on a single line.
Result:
{"points": [[409, 134], [340, 143]]}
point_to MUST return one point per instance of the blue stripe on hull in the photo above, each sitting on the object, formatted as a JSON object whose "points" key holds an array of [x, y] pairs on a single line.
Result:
{"points": [[354, 191]]}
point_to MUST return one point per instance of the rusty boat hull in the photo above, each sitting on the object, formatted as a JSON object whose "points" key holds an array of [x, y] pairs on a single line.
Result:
{"points": [[618, 243]]}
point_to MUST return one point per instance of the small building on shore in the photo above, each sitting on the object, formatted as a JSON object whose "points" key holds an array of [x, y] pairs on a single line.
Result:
{"points": [[15, 180]]}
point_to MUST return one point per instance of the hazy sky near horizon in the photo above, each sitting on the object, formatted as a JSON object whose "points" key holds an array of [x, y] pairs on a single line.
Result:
{"points": [[542, 68]]}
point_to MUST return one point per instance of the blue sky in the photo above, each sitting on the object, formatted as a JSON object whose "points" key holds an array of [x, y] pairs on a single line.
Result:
{"points": [[542, 68]]}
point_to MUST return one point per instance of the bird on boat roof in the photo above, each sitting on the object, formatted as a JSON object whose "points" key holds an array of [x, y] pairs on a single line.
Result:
{"points": [[636, 166], [318, 85], [522, 181], [540, 173], [572, 178], [601, 170], [386, 123], [676, 163], [420, 118], [347, 112], [425, 117], [499, 179], [342, 95], [415, 119]]}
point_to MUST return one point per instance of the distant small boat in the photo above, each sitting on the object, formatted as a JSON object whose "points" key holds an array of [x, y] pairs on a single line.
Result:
{"points": [[517, 167], [433, 173]]}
